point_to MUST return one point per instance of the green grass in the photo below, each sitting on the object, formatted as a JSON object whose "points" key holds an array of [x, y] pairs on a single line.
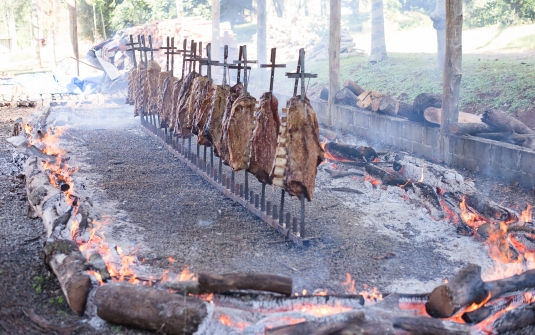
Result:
{"points": [[526, 42], [244, 32], [500, 81]]}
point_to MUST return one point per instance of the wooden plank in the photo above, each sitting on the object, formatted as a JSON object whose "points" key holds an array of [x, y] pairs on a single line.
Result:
{"points": [[334, 55]]}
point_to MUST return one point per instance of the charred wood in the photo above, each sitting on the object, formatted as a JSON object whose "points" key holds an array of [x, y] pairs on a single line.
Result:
{"points": [[211, 283], [525, 140], [386, 177], [66, 261], [515, 319], [463, 289], [505, 122], [97, 263], [425, 100], [341, 174], [490, 209], [149, 309], [429, 326], [350, 152]]}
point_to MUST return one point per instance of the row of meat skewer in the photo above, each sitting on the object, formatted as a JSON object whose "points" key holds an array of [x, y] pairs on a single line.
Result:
{"points": [[245, 133]]}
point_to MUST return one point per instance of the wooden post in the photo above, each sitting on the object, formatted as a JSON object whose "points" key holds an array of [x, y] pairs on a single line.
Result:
{"points": [[94, 24], [180, 9], [215, 29], [261, 43], [35, 32], [378, 49], [451, 81], [334, 55], [73, 29]]}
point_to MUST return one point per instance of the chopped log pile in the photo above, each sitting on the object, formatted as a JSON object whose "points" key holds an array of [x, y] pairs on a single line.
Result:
{"points": [[426, 107]]}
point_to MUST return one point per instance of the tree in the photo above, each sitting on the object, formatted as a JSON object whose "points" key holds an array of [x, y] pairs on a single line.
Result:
{"points": [[439, 23], [378, 49]]}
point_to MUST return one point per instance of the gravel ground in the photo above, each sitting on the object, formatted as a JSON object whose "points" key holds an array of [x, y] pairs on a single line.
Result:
{"points": [[158, 208]]}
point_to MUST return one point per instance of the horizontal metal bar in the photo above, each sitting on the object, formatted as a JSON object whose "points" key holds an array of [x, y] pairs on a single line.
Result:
{"points": [[269, 65], [299, 75]]}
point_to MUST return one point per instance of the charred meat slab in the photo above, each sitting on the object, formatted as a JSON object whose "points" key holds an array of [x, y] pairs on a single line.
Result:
{"points": [[172, 114], [151, 84], [264, 142], [222, 149], [299, 151], [182, 105], [202, 114], [132, 77], [195, 100], [163, 81], [167, 102], [213, 127], [139, 89], [239, 131]]}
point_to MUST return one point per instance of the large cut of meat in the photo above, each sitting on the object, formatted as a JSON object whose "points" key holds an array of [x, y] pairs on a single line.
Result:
{"points": [[153, 74], [213, 127], [203, 114], [222, 149], [240, 132], [167, 102], [195, 100], [163, 81], [139, 89], [264, 143], [132, 77], [172, 113], [182, 106], [298, 151]]}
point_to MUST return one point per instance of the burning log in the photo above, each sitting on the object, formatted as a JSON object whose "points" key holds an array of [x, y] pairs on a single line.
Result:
{"points": [[386, 177], [470, 128], [98, 264], [515, 319], [433, 115], [210, 283], [345, 97], [506, 122], [340, 174], [350, 152], [44, 199], [32, 150], [67, 263], [426, 100], [524, 140], [353, 87], [425, 326], [464, 289], [149, 308], [490, 209]]}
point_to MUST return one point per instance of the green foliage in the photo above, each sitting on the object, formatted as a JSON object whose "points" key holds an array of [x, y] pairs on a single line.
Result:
{"points": [[38, 284], [526, 42], [505, 83], [57, 300], [134, 12], [506, 12]]}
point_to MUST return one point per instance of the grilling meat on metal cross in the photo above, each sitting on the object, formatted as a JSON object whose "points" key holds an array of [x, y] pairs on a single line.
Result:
{"points": [[153, 74], [167, 102], [213, 127], [195, 100], [139, 88], [176, 91], [240, 132], [264, 143], [222, 149], [182, 105], [299, 150], [163, 81], [132, 77], [202, 114]]}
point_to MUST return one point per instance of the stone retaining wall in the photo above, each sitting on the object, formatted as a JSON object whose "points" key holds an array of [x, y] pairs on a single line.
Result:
{"points": [[508, 162]]}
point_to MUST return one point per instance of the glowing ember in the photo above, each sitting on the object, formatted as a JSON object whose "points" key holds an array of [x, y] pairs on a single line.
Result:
{"points": [[372, 180], [186, 275], [96, 275], [330, 157], [320, 292], [469, 217], [171, 259], [322, 310], [527, 214], [304, 292], [422, 177], [226, 320], [371, 295], [349, 284]]}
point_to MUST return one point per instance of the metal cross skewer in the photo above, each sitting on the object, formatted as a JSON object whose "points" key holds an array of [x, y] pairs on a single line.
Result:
{"points": [[144, 48], [139, 48], [208, 62], [150, 47], [167, 48], [243, 53], [272, 66], [300, 74], [199, 59], [192, 54], [225, 66], [184, 52], [132, 45]]}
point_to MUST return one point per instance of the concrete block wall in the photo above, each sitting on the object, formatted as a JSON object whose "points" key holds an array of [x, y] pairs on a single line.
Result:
{"points": [[505, 161]]}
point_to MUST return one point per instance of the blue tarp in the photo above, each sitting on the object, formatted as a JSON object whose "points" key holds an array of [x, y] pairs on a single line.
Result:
{"points": [[48, 83]]}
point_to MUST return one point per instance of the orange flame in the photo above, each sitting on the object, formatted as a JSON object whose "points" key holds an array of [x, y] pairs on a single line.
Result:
{"points": [[527, 214], [422, 177], [226, 320], [469, 217], [96, 275], [349, 284], [371, 295]]}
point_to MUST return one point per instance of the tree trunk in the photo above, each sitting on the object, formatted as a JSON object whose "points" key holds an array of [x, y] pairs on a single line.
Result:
{"points": [[149, 308], [389, 105], [346, 97], [73, 31], [35, 32], [179, 9], [451, 82], [439, 23], [470, 128], [13, 32], [67, 263], [354, 87], [425, 100], [515, 319], [215, 29], [434, 115], [378, 49], [334, 54], [350, 152], [365, 100], [210, 283]]}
